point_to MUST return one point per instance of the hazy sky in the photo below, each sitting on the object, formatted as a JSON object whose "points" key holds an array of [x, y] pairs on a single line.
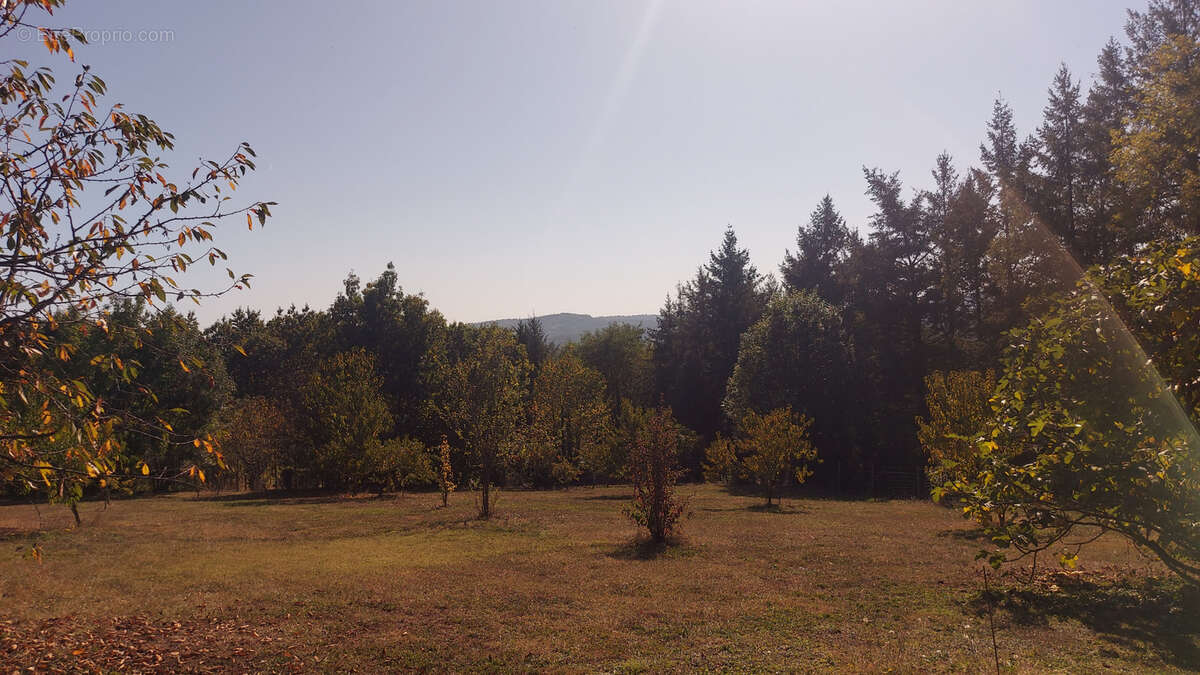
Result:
{"points": [[519, 157]]}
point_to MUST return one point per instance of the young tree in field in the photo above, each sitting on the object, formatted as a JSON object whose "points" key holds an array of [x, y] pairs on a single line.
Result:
{"points": [[1094, 418], [445, 472], [721, 461], [570, 421], [777, 450], [654, 470], [253, 434], [345, 417], [771, 450], [89, 216], [959, 411], [481, 383]]}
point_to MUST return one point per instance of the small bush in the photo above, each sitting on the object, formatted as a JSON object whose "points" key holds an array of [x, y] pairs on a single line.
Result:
{"points": [[653, 467]]}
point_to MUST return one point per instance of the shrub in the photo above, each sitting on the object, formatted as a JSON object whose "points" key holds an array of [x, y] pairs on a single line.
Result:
{"points": [[653, 467], [398, 464]]}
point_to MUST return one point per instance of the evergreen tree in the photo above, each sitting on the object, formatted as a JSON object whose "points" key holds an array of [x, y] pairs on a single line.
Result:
{"points": [[1002, 155], [1108, 213], [399, 329], [696, 341], [1149, 29], [970, 227], [901, 231], [537, 347], [1059, 156], [821, 249], [948, 298]]}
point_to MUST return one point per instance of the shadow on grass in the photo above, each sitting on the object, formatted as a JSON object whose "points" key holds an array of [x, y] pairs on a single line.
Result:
{"points": [[14, 534], [965, 534], [277, 497], [1139, 614], [607, 498], [645, 549], [778, 509]]}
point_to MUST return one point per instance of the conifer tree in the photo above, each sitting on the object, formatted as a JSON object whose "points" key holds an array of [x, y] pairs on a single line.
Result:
{"points": [[821, 248], [696, 341], [1109, 214], [532, 334], [1059, 155]]}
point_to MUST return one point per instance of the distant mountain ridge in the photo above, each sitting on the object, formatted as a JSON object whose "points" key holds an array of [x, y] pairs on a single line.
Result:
{"points": [[566, 327]]}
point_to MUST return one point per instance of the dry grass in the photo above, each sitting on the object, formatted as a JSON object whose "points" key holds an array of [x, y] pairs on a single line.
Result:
{"points": [[557, 582]]}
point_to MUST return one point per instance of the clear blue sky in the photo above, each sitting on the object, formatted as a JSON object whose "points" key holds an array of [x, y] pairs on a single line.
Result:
{"points": [[518, 157]]}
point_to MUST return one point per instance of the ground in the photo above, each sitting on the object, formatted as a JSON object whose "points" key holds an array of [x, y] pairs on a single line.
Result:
{"points": [[557, 581]]}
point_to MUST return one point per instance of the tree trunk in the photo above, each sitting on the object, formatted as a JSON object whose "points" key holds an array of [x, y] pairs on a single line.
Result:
{"points": [[75, 512]]}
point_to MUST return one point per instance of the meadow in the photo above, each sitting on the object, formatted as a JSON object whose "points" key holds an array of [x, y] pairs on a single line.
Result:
{"points": [[558, 581]]}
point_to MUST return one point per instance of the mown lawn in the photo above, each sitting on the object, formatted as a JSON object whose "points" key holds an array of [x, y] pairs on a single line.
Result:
{"points": [[556, 581]]}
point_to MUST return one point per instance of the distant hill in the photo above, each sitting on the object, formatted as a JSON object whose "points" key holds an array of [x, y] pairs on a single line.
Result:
{"points": [[566, 327]]}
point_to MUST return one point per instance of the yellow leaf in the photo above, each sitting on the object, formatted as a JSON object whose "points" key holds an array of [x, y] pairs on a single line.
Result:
{"points": [[184, 366], [145, 469]]}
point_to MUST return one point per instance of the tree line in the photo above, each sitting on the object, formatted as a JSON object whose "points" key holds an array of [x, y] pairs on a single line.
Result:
{"points": [[955, 333]]}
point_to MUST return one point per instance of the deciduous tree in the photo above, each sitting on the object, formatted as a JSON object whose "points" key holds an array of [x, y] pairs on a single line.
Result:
{"points": [[654, 470], [89, 216], [481, 380]]}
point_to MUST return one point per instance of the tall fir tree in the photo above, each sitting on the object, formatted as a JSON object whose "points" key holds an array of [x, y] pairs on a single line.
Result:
{"points": [[696, 341], [821, 249], [1108, 213], [947, 264], [1059, 156], [532, 335]]}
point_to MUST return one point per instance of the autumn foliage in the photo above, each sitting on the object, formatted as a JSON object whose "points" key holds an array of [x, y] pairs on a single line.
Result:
{"points": [[654, 470], [89, 216]]}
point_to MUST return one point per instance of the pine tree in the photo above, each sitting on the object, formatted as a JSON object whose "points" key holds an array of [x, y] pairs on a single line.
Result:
{"points": [[1059, 156], [971, 226], [1001, 154], [948, 263], [1008, 162], [1149, 29], [696, 342], [1108, 214], [901, 232], [532, 334], [821, 248]]}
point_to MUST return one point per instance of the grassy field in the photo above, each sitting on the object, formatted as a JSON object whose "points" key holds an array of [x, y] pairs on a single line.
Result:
{"points": [[556, 581]]}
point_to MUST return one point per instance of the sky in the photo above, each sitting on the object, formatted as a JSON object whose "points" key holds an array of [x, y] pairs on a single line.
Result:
{"points": [[520, 157]]}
